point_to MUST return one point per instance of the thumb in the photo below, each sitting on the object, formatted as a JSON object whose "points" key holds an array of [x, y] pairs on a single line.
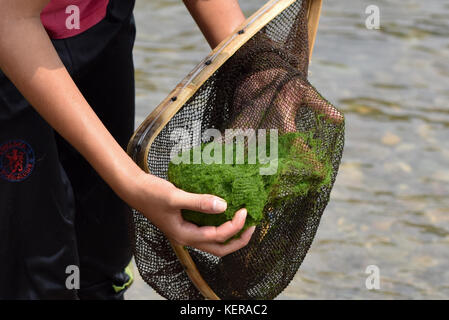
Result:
{"points": [[205, 203]]}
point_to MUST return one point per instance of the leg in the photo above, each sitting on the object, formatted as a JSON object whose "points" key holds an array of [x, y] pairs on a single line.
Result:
{"points": [[37, 231]]}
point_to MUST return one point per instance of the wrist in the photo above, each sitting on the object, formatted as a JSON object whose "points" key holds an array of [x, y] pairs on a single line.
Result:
{"points": [[130, 183], [141, 189]]}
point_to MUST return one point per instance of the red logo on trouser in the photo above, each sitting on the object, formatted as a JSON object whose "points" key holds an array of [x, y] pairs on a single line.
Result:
{"points": [[16, 160]]}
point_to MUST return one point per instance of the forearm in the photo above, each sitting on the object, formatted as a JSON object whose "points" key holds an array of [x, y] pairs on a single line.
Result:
{"points": [[216, 18], [33, 65]]}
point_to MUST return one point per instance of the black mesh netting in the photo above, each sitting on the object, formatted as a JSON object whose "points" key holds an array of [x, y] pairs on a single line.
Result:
{"points": [[262, 86]]}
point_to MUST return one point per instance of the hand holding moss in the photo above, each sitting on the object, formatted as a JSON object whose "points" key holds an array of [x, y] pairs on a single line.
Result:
{"points": [[161, 202]]}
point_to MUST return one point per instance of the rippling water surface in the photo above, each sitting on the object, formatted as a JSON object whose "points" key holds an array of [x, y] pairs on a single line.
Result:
{"points": [[390, 204]]}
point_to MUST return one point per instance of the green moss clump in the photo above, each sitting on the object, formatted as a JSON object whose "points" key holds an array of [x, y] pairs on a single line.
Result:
{"points": [[301, 167]]}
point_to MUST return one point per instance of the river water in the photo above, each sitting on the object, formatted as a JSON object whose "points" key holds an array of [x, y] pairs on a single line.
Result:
{"points": [[390, 204]]}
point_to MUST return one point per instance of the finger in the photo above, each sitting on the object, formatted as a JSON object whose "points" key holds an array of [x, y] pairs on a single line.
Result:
{"points": [[197, 235], [230, 228], [314, 100], [252, 98], [309, 156], [221, 250], [282, 111], [205, 203]]}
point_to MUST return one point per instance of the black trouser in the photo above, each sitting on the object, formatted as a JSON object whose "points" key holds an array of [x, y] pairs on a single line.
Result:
{"points": [[55, 211]]}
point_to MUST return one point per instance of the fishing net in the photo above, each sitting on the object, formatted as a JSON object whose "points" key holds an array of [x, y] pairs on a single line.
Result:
{"points": [[262, 92]]}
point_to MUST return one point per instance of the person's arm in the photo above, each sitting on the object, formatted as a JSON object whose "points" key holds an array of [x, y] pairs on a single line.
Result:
{"points": [[29, 60], [216, 18]]}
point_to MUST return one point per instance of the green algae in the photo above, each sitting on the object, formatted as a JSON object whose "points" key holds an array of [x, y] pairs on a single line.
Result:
{"points": [[303, 166]]}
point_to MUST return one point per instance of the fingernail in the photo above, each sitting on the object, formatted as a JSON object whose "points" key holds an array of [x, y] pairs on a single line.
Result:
{"points": [[243, 214], [219, 205]]}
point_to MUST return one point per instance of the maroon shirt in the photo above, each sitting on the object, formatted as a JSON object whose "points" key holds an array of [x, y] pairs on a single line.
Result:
{"points": [[67, 18]]}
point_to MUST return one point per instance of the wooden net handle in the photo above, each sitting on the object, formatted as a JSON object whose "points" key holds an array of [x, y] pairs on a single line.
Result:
{"points": [[190, 268], [313, 19]]}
